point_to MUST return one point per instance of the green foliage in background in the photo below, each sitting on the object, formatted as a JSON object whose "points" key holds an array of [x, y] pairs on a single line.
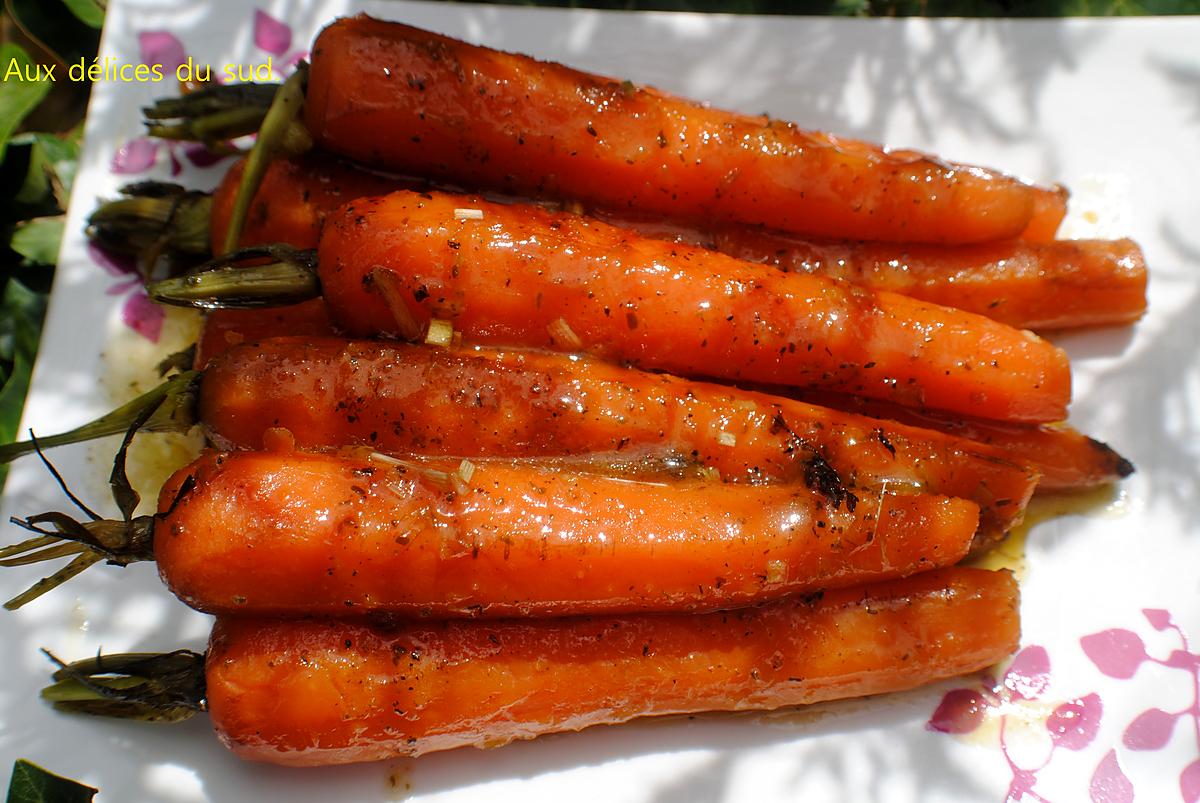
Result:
{"points": [[37, 166], [32, 784]]}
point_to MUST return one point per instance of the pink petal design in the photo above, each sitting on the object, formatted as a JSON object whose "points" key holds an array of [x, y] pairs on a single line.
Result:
{"points": [[961, 711], [1158, 618], [1189, 782], [270, 34], [1029, 673], [1150, 731], [113, 264], [1022, 786], [1182, 659], [200, 156], [160, 47], [1074, 724], [1109, 784], [1117, 653], [135, 156], [143, 316]]}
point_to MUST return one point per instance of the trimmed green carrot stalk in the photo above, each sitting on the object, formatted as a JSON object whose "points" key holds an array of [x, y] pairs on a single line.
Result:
{"points": [[320, 692]]}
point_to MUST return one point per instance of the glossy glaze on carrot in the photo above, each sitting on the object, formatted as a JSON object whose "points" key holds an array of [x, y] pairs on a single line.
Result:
{"points": [[1066, 459], [398, 399], [309, 693], [293, 533], [404, 99], [1068, 283], [522, 276]]}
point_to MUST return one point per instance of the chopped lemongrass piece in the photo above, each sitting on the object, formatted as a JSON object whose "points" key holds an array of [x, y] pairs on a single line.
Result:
{"points": [[727, 439], [466, 469], [710, 472], [468, 214], [562, 332], [745, 404], [388, 285], [776, 571], [440, 333]]}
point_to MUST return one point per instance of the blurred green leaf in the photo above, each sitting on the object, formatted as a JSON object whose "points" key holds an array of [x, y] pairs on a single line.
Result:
{"points": [[21, 313], [89, 12], [62, 35], [37, 240], [51, 171], [32, 784], [17, 98]]}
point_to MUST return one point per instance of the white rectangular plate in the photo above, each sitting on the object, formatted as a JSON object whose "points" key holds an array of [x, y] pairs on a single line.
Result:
{"points": [[1110, 108]]}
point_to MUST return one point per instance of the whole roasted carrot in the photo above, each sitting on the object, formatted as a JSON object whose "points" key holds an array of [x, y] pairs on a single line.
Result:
{"points": [[1065, 458], [405, 99], [318, 692], [290, 533], [1054, 285], [322, 692], [577, 285]]}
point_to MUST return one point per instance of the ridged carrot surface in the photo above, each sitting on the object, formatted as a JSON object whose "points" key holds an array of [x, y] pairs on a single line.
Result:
{"points": [[405, 99], [399, 398], [1066, 459], [522, 276], [1068, 283], [293, 533], [307, 693]]}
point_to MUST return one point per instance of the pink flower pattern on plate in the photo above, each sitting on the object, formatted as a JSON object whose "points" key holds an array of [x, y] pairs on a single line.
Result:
{"points": [[1072, 725], [1119, 653]]}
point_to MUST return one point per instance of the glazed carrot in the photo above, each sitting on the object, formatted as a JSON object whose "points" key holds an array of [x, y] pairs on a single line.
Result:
{"points": [[473, 403], [1054, 285], [293, 533], [391, 264], [1066, 459], [306, 693], [1049, 209], [404, 99]]}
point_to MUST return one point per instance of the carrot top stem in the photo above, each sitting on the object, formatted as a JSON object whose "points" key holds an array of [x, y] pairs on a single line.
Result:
{"points": [[174, 410], [212, 115], [150, 687], [154, 221], [282, 131], [223, 283]]}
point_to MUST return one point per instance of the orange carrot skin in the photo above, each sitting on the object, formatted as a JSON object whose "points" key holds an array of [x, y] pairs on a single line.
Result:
{"points": [[291, 533], [399, 399], [1067, 283], [304, 693], [671, 307], [226, 328], [404, 99], [1066, 459], [1049, 209], [293, 199]]}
